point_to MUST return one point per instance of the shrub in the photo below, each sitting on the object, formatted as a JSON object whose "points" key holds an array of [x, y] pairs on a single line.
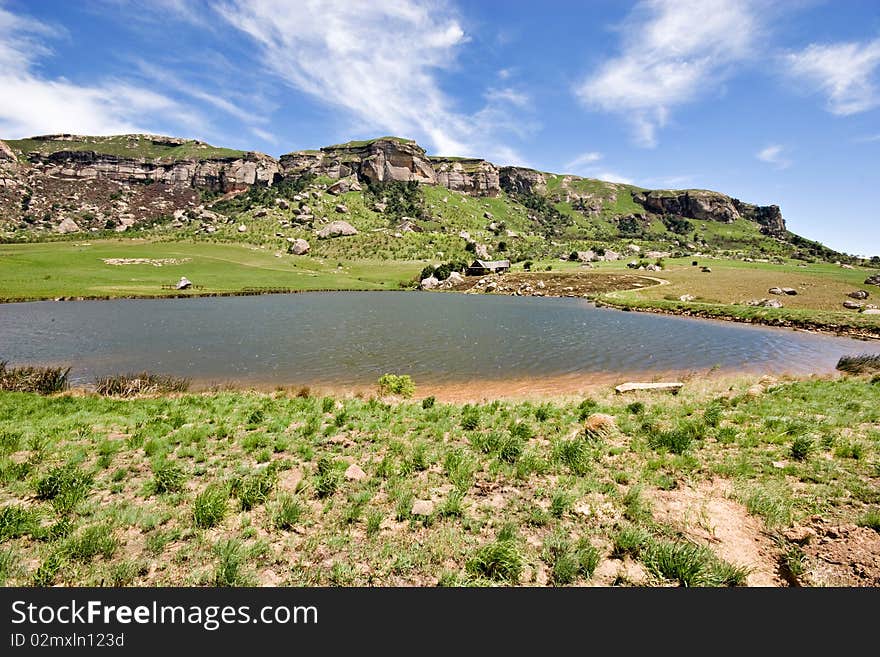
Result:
{"points": [[863, 364], [428, 402], [143, 383], [397, 384], [44, 380], [209, 507]]}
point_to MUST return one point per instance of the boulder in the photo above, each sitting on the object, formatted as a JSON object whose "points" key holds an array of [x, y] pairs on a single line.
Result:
{"points": [[610, 256], [873, 280], [871, 311], [343, 185], [337, 229], [355, 473], [858, 294], [482, 252], [487, 215], [341, 208], [429, 283], [775, 290], [68, 225], [282, 203], [634, 248], [852, 305], [298, 246], [686, 297], [455, 278], [183, 284], [465, 235], [586, 256], [789, 291], [6, 152], [242, 228], [706, 270]]}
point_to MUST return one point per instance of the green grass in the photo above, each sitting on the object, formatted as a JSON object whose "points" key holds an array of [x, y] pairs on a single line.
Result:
{"points": [[77, 269], [134, 146], [239, 487]]}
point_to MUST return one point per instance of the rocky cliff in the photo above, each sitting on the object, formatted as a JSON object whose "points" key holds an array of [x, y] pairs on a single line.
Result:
{"points": [[70, 182], [711, 206]]}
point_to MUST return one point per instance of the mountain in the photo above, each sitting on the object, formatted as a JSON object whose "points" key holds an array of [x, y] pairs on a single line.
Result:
{"points": [[384, 187]]}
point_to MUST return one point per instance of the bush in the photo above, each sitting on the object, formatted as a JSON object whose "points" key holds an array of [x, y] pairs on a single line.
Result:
{"points": [[397, 384], [428, 402], [44, 380], [863, 364], [129, 385]]}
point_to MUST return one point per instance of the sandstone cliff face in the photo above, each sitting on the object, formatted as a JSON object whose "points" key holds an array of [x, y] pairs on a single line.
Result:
{"points": [[220, 174], [469, 176], [519, 180], [711, 206], [379, 160]]}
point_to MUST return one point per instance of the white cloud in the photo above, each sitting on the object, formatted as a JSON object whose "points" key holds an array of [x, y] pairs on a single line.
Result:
{"points": [[508, 95], [868, 139], [377, 61], [672, 52], [32, 104], [847, 73], [774, 154], [582, 159], [612, 176]]}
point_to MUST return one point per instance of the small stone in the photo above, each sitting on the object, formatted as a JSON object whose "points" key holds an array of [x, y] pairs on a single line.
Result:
{"points": [[686, 297], [422, 508], [355, 473], [242, 228]]}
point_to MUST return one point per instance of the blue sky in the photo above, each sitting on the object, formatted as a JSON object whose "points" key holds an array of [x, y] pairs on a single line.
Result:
{"points": [[768, 102]]}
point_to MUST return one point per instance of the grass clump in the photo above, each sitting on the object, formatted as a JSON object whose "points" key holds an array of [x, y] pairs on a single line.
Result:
{"points": [[255, 488], [209, 507], [499, 561], [862, 364], [691, 565], [568, 560], [43, 380], [15, 521], [629, 540], [801, 448], [230, 556], [397, 384], [288, 512], [90, 542], [871, 519], [327, 477], [142, 383], [66, 486], [167, 476]]}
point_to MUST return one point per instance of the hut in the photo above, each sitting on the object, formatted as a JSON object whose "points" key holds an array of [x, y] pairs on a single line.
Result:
{"points": [[484, 267]]}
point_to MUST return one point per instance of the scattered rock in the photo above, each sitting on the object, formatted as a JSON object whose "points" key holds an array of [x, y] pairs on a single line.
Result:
{"points": [[488, 215], [482, 252], [852, 305], [355, 473], [337, 229], [775, 290], [262, 212], [429, 283], [800, 534], [871, 311], [686, 297], [789, 291], [282, 203], [873, 280], [634, 248], [706, 270], [242, 228], [491, 286], [298, 246], [858, 294], [765, 303], [341, 208], [68, 225], [183, 284], [422, 508], [347, 184], [465, 235]]}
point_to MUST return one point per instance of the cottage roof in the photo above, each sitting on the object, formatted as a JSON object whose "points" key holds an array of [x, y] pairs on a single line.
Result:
{"points": [[491, 264]]}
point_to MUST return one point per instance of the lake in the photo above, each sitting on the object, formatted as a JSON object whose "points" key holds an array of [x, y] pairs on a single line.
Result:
{"points": [[347, 339]]}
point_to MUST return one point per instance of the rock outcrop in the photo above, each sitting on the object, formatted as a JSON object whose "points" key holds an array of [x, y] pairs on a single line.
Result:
{"points": [[519, 180], [6, 154], [377, 160], [711, 206], [469, 176], [337, 229]]}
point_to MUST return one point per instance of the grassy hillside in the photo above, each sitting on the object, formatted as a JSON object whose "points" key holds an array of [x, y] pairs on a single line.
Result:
{"points": [[729, 483], [136, 146], [74, 269]]}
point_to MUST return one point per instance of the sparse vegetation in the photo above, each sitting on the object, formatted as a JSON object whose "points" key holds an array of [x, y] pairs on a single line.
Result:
{"points": [[44, 380], [129, 385], [397, 384]]}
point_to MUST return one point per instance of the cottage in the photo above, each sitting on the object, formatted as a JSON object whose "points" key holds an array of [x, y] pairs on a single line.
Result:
{"points": [[483, 267]]}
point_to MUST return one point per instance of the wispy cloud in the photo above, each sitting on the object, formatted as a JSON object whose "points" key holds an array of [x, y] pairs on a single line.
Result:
{"points": [[867, 139], [774, 154], [846, 73], [672, 52], [612, 176], [378, 62], [34, 104], [582, 159]]}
